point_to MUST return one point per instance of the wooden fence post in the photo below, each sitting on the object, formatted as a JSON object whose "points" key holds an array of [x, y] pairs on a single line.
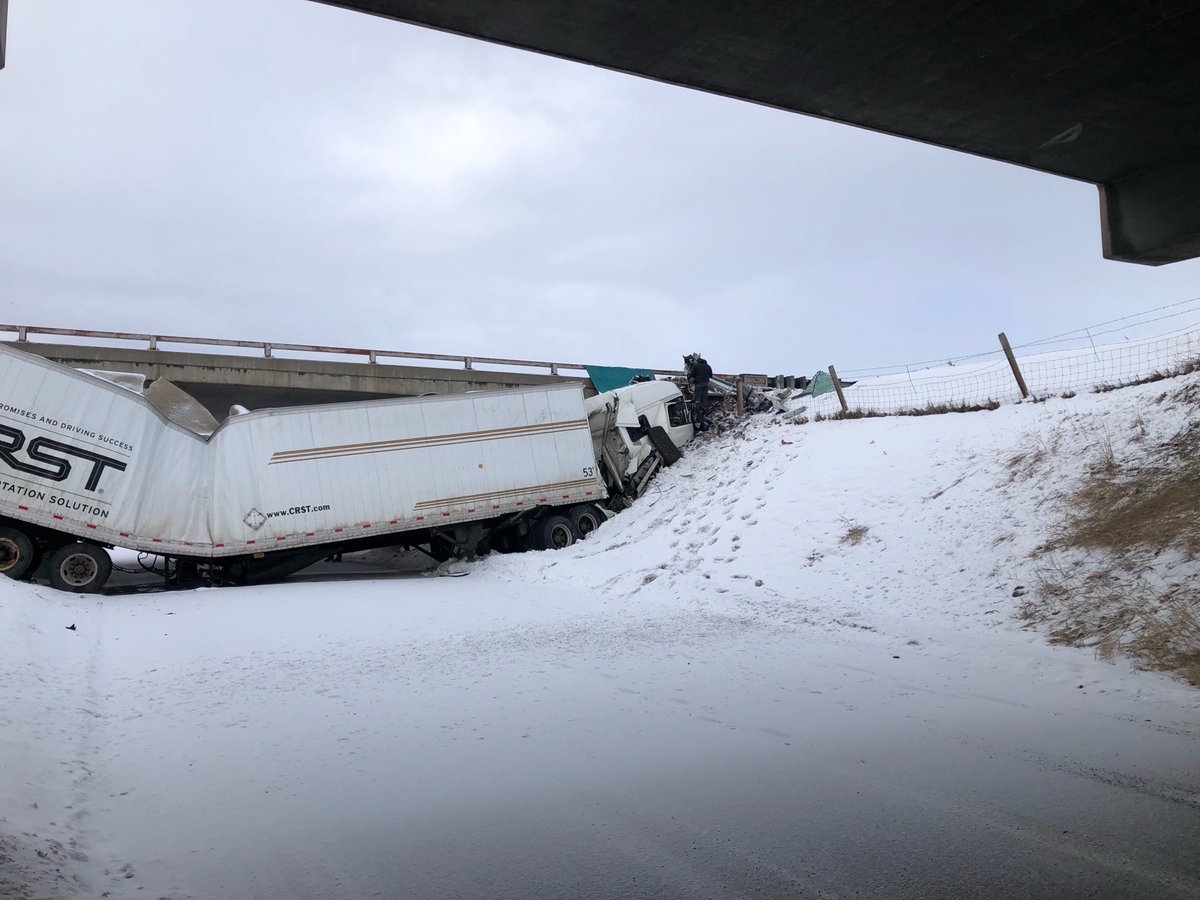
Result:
{"points": [[1012, 361], [738, 389], [837, 386]]}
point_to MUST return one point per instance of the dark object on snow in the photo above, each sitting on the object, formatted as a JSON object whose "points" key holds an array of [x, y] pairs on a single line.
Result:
{"points": [[662, 443], [699, 373], [71, 627], [755, 401]]}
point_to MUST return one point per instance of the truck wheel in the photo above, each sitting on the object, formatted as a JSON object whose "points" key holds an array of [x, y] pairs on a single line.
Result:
{"points": [[18, 556], [586, 519], [80, 568], [555, 533]]}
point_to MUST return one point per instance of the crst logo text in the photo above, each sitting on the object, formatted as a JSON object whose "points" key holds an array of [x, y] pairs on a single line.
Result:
{"points": [[56, 456]]}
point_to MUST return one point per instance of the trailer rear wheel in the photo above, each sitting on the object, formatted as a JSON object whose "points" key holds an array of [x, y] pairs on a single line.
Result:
{"points": [[555, 533], [586, 518], [80, 568], [18, 555]]}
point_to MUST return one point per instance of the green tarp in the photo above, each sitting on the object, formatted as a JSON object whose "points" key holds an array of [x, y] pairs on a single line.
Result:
{"points": [[820, 384], [607, 378]]}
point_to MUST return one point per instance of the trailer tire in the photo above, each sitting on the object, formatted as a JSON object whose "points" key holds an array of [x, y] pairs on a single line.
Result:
{"points": [[555, 533], [18, 554], [585, 518], [80, 568]]}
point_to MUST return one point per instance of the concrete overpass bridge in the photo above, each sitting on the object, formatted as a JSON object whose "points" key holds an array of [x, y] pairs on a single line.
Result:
{"points": [[257, 377]]}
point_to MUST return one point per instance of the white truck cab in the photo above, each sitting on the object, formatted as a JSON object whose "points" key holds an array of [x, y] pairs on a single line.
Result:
{"points": [[640, 407]]}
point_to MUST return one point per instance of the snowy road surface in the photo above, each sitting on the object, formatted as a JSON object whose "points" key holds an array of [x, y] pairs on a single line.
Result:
{"points": [[714, 696], [533, 752]]}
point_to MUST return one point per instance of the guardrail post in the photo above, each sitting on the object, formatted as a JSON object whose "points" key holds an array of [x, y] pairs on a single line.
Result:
{"points": [[837, 386], [21, 335], [553, 368], [1012, 361], [267, 350], [371, 358], [153, 342], [466, 362]]}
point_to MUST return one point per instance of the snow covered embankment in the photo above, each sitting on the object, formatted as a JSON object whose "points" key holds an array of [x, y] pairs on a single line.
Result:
{"points": [[922, 531]]}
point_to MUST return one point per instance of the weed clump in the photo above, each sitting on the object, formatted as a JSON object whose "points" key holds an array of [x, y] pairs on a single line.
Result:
{"points": [[1184, 368], [931, 409], [855, 533]]}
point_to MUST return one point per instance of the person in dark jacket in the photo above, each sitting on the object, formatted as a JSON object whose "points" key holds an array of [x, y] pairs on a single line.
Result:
{"points": [[699, 373]]}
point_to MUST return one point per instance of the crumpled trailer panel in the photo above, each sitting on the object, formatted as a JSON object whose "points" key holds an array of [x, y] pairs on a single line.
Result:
{"points": [[86, 457]]}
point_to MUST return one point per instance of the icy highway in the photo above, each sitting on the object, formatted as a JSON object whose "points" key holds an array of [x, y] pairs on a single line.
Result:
{"points": [[244, 744]]}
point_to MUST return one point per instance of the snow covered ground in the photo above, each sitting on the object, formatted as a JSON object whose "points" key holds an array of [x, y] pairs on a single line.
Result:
{"points": [[236, 742]]}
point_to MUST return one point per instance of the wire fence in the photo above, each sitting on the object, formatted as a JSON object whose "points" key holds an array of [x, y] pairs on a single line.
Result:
{"points": [[983, 380]]}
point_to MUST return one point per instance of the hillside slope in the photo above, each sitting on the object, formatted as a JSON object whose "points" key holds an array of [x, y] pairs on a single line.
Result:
{"points": [[926, 529]]}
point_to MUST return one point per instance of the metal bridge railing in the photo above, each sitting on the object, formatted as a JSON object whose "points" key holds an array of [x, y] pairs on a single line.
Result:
{"points": [[372, 356]]}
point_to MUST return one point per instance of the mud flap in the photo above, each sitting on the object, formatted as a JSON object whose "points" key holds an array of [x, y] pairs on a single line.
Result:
{"points": [[664, 446]]}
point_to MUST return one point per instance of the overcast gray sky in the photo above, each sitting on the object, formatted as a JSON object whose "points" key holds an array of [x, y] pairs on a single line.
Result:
{"points": [[283, 170]]}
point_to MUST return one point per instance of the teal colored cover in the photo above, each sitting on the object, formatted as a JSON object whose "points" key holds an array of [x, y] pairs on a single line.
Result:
{"points": [[607, 378], [820, 384]]}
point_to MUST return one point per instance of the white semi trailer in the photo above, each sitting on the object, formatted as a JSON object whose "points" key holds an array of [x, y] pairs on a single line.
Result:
{"points": [[87, 465]]}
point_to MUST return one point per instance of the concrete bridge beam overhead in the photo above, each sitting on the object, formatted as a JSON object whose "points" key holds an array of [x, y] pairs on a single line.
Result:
{"points": [[1099, 92]]}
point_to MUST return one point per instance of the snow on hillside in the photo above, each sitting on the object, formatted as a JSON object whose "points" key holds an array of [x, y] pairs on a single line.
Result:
{"points": [[876, 539], [909, 529]]}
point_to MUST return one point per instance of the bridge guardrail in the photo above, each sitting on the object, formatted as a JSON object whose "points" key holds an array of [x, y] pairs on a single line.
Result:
{"points": [[267, 347]]}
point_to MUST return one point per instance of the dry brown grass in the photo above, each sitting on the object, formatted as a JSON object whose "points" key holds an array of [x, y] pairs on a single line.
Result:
{"points": [[932, 409], [1118, 610], [1155, 506], [937, 409], [1122, 574], [1036, 450], [1185, 368], [855, 533], [840, 416]]}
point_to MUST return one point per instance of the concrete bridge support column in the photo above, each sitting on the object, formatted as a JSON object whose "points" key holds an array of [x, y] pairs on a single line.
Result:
{"points": [[1153, 217]]}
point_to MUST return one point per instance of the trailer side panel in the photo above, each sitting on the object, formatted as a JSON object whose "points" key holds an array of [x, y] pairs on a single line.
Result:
{"points": [[288, 477]]}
